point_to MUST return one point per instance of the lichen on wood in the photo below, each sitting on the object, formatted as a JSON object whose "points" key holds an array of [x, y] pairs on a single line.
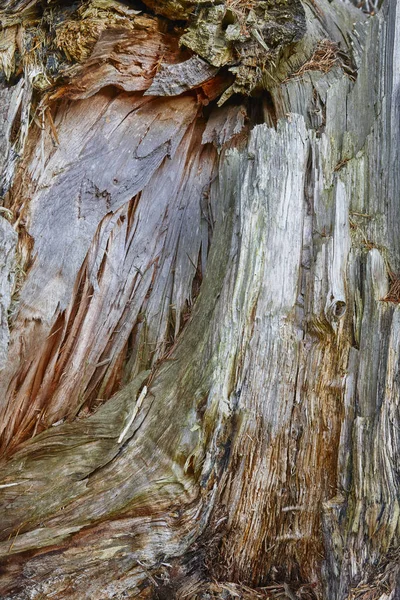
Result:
{"points": [[246, 36]]}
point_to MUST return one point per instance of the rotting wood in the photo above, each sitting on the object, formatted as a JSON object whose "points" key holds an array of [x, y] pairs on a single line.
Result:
{"points": [[219, 259]]}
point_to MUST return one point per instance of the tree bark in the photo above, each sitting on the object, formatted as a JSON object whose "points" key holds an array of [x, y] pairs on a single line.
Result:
{"points": [[199, 332]]}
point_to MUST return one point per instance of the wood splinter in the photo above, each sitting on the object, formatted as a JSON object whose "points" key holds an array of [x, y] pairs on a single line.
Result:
{"points": [[135, 411]]}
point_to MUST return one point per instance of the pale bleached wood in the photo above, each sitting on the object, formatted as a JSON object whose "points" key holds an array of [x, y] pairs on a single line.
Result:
{"points": [[8, 240]]}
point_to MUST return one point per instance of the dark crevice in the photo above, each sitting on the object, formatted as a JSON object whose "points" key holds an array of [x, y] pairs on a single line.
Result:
{"points": [[16, 126]]}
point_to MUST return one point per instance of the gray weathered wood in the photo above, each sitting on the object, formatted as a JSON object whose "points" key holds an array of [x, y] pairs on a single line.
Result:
{"points": [[8, 239], [172, 80], [201, 393]]}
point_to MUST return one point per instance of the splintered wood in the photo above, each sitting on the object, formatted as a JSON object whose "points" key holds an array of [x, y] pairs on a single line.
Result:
{"points": [[199, 312]]}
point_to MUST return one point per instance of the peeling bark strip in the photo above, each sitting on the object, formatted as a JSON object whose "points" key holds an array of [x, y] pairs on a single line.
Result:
{"points": [[199, 350]]}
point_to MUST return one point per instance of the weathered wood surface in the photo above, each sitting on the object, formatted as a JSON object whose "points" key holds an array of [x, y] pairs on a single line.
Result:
{"points": [[246, 275]]}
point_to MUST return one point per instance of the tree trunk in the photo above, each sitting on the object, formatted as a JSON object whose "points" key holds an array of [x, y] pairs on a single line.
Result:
{"points": [[200, 331]]}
